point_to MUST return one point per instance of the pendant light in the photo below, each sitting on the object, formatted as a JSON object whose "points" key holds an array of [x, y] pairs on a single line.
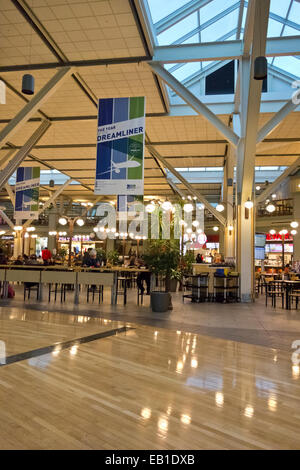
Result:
{"points": [[260, 68], [28, 84]]}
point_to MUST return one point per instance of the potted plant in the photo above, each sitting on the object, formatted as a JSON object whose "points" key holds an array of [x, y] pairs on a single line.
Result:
{"points": [[101, 255], [113, 257], [175, 276], [162, 257]]}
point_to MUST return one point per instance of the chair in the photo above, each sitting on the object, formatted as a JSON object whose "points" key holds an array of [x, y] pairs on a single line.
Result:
{"points": [[274, 289], [61, 280], [294, 295], [121, 288], [93, 289], [31, 286], [95, 282]]}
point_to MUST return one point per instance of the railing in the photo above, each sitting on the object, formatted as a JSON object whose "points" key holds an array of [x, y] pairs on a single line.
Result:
{"points": [[282, 207]]}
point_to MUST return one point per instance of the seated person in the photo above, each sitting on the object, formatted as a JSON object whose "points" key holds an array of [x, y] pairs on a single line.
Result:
{"points": [[143, 276], [93, 262], [199, 258], [19, 261]]}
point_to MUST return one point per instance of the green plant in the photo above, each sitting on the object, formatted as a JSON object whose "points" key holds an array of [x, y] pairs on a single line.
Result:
{"points": [[62, 252], [101, 254], [176, 274], [162, 256], [186, 264], [113, 257]]}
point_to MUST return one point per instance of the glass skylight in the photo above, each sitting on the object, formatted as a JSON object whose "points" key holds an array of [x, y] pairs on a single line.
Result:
{"points": [[219, 20]]}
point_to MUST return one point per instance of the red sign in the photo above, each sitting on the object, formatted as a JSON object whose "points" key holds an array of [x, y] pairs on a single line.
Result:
{"points": [[278, 237]]}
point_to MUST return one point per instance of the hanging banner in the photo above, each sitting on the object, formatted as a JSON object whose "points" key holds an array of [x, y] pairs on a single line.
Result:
{"points": [[27, 193], [120, 146]]}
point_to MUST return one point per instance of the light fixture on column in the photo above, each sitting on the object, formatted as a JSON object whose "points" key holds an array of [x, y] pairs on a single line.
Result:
{"points": [[30, 229], [260, 68], [294, 224], [52, 233], [270, 208], [18, 228], [215, 228], [62, 221], [257, 188], [220, 207], [195, 223], [28, 84], [26, 235], [248, 204], [230, 229], [294, 232]]}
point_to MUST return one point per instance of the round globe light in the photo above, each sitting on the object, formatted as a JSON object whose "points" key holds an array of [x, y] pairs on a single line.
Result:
{"points": [[150, 208], [294, 224], [294, 232], [215, 229], [270, 208], [80, 222], [195, 223], [220, 207], [248, 204], [272, 232], [188, 207], [167, 206], [62, 221]]}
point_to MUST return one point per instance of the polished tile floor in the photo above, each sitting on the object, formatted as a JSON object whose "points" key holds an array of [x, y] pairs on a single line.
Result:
{"points": [[249, 323], [145, 388]]}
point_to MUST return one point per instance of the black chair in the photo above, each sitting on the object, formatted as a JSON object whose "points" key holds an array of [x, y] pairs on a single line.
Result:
{"points": [[274, 290], [122, 285], [58, 289], [31, 286], [92, 289], [294, 294]]}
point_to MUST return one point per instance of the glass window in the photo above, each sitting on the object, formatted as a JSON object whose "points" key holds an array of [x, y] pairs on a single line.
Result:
{"points": [[178, 30], [160, 9], [279, 7], [221, 27], [214, 8], [290, 64]]}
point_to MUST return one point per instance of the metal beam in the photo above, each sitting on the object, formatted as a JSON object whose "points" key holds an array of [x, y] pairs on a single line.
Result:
{"points": [[208, 23], [271, 187], [75, 63], [7, 157], [10, 193], [7, 219], [178, 15], [196, 193], [276, 120], [22, 153], [198, 52], [49, 202], [282, 46], [250, 100], [32, 106], [176, 189], [195, 103]]}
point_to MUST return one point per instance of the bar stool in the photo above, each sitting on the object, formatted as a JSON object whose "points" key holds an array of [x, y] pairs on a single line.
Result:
{"points": [[121, 288], [92, 289]]}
